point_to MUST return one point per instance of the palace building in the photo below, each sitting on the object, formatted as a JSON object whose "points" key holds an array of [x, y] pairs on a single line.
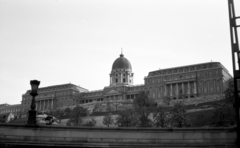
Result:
{"points": [[191, 84], [53, 96], [205, 80], [6, 108]]}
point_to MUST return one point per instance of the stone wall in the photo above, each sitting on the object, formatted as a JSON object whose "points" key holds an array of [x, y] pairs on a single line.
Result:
{"points": [[117, 137], [198, 100]]}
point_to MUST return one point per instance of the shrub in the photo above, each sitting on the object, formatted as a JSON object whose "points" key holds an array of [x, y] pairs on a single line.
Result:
{"points": [[127, 118], [108, 120], [91, 122]]}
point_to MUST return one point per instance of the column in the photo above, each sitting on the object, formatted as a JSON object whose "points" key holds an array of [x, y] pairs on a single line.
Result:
{"points": [[48, 108], [161, 91], [40, 105], [208, 88], [195, 88], [120, 78], [171, 90], [177, 89], [165, 90], [52, 103], [188, 87], [132, 79], [43, 104], [183, 88], [110, 79], [214, 85]]}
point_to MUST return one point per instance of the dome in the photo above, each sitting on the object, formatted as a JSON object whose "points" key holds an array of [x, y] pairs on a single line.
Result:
{"points": [[122, 63]]}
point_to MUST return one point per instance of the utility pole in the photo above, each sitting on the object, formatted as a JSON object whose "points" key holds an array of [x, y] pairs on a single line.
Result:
{"points": [[235, 61]]}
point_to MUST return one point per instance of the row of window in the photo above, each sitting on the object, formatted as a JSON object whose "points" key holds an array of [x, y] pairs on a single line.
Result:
{"points": [[169, 78], [123, 80], [210, 86], [92, 94], [10, 111], [186, 69], [136, 88], [120, 70], [115, 97], [54, 88], [88, 101], [203, 74], [60, 93], [120, 75]]}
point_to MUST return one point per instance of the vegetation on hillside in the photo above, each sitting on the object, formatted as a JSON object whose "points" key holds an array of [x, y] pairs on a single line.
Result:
{"points": [[108, 120], [76, 116], [127, 118], [145, 113], [178, 117], [161, 117], [143, 106], [224, 114]]}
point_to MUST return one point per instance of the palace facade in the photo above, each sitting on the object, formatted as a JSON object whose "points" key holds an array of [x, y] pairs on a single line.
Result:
{"points": [[188, 81], [192, 83], [14, 109], [53, 97]]}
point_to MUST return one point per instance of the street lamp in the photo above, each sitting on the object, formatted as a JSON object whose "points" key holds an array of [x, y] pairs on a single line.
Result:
{"points": [[32, 113]]}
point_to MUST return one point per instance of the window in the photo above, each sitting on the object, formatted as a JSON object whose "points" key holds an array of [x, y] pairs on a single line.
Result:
{"points": [[116, 80], [123, 79]]}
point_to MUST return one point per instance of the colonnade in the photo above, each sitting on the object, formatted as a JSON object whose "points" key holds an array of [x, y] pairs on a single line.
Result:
{"points": [[177, 89], [183, 88], [131, 96], [113, 97], [42, 105]]}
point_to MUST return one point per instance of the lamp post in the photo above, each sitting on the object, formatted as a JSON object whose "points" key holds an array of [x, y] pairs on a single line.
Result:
{"points": [[32, 113]]}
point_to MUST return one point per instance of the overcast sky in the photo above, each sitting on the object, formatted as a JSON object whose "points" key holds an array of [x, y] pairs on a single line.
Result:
{"points": [[67, 41]]}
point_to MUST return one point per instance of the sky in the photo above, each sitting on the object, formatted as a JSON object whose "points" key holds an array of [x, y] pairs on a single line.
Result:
{"points": [[77, 41]]}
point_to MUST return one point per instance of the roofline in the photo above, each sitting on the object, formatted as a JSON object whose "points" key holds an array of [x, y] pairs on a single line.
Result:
{"points": [[185, 66], [60, 85], [14, 105], [56, 86]]}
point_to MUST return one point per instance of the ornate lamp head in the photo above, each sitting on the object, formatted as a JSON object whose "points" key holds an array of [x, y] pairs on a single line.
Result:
{"points": [[34, 85]]}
